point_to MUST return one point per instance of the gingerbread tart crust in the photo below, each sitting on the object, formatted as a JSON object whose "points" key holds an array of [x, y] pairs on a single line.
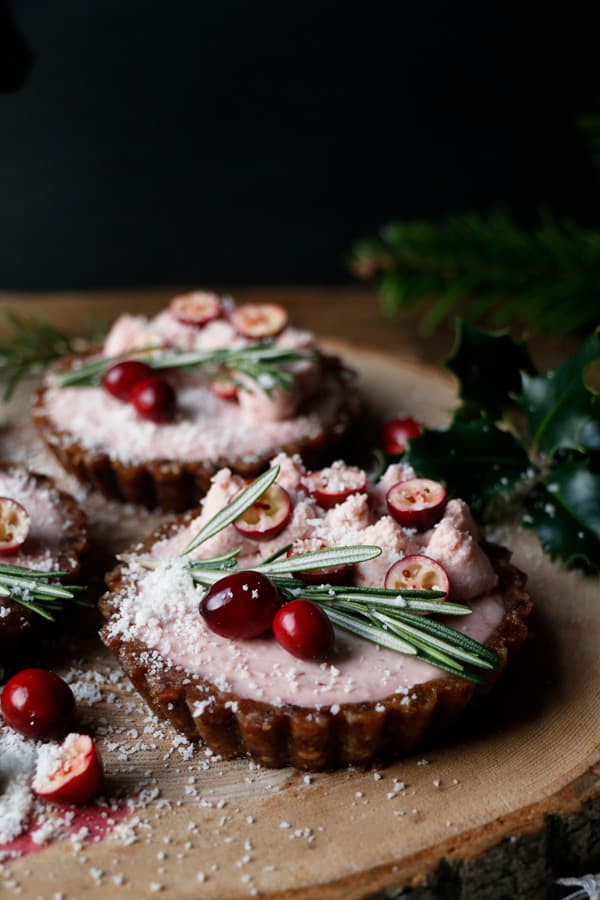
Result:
{"points": [[177, 485], [22, 623], [276, 736]]}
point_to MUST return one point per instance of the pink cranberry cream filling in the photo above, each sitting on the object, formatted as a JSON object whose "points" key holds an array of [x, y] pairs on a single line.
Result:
{"points": [[160, 606], [42, 547], [206, 426]]}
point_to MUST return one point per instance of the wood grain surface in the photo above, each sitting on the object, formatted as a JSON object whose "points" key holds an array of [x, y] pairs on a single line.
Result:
{"points": [[497, 809]]}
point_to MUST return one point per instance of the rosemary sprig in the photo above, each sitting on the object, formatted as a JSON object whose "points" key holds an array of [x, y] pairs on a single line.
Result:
{"points": [[235, 509], [264, 363], [38, 590], [330, 557]]}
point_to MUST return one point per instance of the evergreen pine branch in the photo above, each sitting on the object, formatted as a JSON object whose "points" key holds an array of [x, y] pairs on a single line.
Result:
{"points": [[548, 278], [31, 345]]}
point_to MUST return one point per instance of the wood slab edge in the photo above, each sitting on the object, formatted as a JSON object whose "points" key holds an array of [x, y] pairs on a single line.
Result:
{"points": [[516, 857]]}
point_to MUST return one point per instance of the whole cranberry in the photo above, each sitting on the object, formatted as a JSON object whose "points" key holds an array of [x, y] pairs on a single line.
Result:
{"points": [[121, 378], [37, 703], [241, 605], [304, 630], [154, 399]]}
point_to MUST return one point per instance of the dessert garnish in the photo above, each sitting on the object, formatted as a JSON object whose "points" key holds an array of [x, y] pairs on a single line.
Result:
{"points": [[40, 591], [304, 630], [38, 704], [15, 523], [262, 362], [241, 605], [120, 379], [267, 516], [396, 433], [132, 381], [417, 572], [154, 399], [259, 320], [197, 308], [224, 387], [335, 484], [71, 772], [390, 618], [417, 503]]}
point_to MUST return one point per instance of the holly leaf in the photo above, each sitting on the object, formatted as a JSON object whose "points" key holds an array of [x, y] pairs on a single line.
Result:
{"points": [[565, 512], [488, 367], [562, 410], [474, 459]]}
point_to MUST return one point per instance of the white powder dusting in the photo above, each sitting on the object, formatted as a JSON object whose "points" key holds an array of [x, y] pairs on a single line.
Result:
{"points": [[18, 758]]}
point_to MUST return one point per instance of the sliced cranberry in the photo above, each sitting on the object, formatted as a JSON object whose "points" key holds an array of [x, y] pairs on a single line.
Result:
{"points": [[417, 573], [226, 390], [337, 575], [417, 503], [37, 703], [241, 605], [335, 484], [154, 399], [304, 630], [15, 523], [268, 516], [396, 433], [259, 320], [73, 775], [121, 378], [197, 309]]}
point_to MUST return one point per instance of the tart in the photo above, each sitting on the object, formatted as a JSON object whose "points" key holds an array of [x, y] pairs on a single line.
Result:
{"points": [[210, 419], [56, 539], [251, 697]]}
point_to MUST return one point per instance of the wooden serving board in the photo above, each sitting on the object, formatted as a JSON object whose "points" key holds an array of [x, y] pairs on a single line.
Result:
{"points": [[509, 800]]}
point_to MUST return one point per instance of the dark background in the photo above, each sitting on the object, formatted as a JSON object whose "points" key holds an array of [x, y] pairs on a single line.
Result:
{"points": [[230, 142]]}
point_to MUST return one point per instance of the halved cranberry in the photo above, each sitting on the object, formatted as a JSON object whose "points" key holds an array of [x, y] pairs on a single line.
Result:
{"points": [[335, 484], [417, 573], [417, 503], [396, 433], [154, 399], [304, 630], [37, 703], [268, 516], [241, 605], [71, 773], [226, 390], [337, 575], [121, 378], [15, 523], [259, 320], [197, 308]]}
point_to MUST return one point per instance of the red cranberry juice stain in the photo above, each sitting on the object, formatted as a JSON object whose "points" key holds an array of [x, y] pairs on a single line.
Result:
{"points": [[93, 823]]}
